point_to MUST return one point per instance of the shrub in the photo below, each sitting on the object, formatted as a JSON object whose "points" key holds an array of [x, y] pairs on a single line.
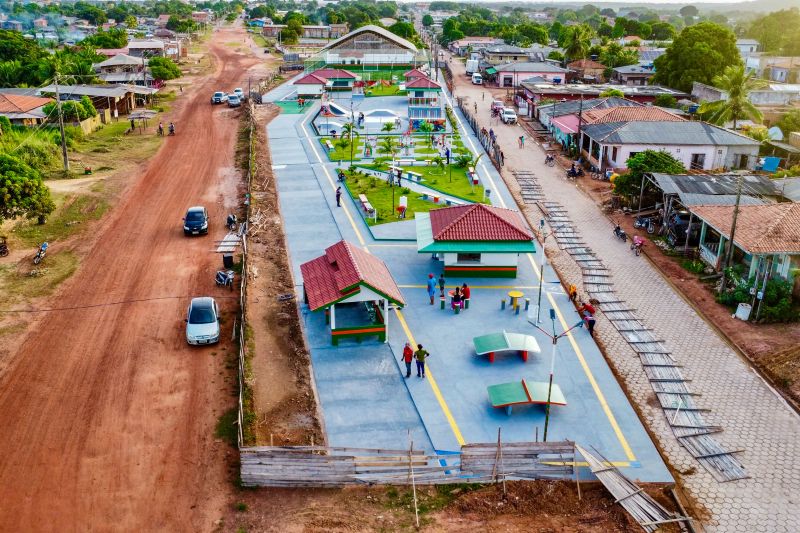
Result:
{"points": [[776, 305]]}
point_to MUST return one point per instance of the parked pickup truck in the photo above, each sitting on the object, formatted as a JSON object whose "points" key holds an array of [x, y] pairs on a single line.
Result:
{"points": [[508, 116], [219, 97]]}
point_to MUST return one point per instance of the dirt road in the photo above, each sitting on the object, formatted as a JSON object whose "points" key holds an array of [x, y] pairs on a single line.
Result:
{"points": [[107, 415]]}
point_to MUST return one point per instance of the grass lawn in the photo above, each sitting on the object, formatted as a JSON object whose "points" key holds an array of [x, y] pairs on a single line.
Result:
{"points": [[71, 214], [379, 194], [56, 267], [457, 185], [381, 74], [343, 153], [380, 90]]}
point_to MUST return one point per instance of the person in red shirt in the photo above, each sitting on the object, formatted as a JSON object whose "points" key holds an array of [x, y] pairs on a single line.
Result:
{"points": [[465, 292], [408, 357]]}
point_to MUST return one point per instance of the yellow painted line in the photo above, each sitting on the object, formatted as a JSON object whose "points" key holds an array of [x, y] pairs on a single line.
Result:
{"points": [[436, 392], [598, 392], [533, 264], [584, 463], [313, 143]]}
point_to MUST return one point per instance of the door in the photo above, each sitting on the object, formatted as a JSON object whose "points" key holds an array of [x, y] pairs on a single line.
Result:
{"points": [[698, 161]]}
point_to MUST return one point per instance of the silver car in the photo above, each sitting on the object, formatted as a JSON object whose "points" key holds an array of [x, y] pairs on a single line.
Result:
{"points": [[202, 321], [233, 100]]}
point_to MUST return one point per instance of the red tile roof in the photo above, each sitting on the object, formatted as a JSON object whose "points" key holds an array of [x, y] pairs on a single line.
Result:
{"points": [[760, 229], [414, 73], [331, 73], [478, 222], [17, 103], [423, 83], [311, 79], [341, 272], [629, 114]]}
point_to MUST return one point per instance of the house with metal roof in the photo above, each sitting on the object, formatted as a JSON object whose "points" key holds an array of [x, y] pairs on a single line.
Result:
{"points": [[425, 103], [698, 145], [23, 110], [511, 74], [311, 86], [475, 240], [370, 45], [587, 70], [638, 74], [766, 239], [355, 290]]}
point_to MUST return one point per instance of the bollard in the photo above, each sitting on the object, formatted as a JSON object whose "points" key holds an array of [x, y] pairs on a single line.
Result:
{"points": [[457, 308], [466, 303], [527, 303], [516, 309], [441, 303], [503, 304]]}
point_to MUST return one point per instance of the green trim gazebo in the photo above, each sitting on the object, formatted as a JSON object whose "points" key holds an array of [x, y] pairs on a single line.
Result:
{"points": [[358, 283], [475, 240]]}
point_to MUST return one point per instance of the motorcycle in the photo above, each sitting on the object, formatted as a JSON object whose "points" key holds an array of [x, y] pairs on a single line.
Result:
{"points": [[620, 233], [647, 223], [40, 254], [171, 128], [224, 278], [3, 247], [574, 174], [231, 222], [550, 160], [637, 244]]}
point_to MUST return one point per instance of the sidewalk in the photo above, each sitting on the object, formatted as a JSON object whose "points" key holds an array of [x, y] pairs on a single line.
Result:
{"points": [[754, 417]]}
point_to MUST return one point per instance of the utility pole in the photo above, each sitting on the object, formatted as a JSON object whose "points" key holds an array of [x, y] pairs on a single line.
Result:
{"points": [[729, 251], [61, 126]]}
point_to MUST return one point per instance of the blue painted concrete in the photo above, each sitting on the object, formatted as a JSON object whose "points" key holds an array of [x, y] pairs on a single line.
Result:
{"points": [[364, 398]]}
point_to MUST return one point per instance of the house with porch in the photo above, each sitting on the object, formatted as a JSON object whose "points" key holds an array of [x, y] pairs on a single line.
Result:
{"points": [[123, 68], [355, 290], [339, 80], [425, 103], [475, 240], [698, 145], [311, 86], [638, 74], [512, 74], [23, 109], [766, 239]]}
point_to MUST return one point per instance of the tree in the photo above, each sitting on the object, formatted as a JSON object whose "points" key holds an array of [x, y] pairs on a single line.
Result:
{"points": [[113, 38], [612, 93], [348, 132], [662, 31], [22, 191], [665, 100], [630, 183], [688, 11], [614, 55], [403, 29], [778, 32], [427, 20], [259, 12], [181, 25], [163, 68], [738, 83], [789, 122], [576, 44], [699, 53]]}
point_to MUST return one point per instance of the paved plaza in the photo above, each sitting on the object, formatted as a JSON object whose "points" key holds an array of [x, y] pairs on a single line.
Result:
{"points": [[365, 400]]}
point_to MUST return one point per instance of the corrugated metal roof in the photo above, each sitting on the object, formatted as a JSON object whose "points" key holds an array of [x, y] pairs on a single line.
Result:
{"points": [[386, 34], [530, 66], [573, 106], [715, 184], [789, 187], [691, 198], [673, 133]]}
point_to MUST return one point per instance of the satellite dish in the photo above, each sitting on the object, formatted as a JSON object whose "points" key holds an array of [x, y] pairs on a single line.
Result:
{"points": [[775, 133]]}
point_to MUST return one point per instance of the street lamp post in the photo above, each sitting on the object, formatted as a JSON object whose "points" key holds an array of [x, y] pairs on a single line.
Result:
{"points": [[542, 237], [554, 338]]}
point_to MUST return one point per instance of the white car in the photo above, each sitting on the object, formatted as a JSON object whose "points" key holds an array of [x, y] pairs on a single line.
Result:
{"points": [[508, 116], [202, 321], [240, 93]]}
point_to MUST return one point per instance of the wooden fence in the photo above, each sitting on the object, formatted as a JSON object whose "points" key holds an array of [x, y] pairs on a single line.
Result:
{"points": [[319, 466]]}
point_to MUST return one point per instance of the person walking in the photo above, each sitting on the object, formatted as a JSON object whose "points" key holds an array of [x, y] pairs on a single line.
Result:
{"points": [[590, 321], [476, 107], [522, 141], [441, 285], [431, 287], [420, 355], [161, 129], [408, 356], [338, 197], [502, 158], [133, 125]]}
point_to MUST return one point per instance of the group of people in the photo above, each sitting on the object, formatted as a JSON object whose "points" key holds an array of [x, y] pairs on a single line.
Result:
{"points": [[301, 102], [161, 128], [460, 294], [585, 309]]}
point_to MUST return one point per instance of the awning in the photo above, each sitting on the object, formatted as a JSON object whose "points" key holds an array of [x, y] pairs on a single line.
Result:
{"points": [[783, 146], [491, 70]]}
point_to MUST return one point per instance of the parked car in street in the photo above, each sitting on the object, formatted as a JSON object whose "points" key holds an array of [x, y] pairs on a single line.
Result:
{"points": [[196, 221], [508, 116], [202, 321], [233, 100], [240, 93], [219, 97], [497, 105]]}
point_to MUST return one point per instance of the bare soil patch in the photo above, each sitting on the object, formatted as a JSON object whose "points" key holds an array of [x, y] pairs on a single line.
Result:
{"points": [[542, 506], [283, 397]]}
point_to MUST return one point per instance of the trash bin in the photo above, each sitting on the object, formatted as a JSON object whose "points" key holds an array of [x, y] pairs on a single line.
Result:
{"points": [[227, 260], [743, 312]]}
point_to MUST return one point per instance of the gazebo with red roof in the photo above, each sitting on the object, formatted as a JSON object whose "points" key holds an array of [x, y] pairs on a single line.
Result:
{"points": [[358, 283], [475, 240]]}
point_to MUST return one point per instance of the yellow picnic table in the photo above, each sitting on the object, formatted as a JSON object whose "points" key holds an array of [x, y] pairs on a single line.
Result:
{"points": [[515, 295]]}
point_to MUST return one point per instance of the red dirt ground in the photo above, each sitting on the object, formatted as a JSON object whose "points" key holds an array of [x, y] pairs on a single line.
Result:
{"points": [[107, 415]]}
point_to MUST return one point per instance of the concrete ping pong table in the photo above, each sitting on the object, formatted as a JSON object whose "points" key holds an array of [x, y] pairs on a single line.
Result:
{"points": [[503, 342], [524, 392]]}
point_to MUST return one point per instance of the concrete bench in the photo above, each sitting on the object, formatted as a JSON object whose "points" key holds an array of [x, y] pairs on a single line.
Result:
{"points": [[471, 170], [365, 203], [450, 202], [328, 145], [414, 176], [406, 162], [428, 162]]}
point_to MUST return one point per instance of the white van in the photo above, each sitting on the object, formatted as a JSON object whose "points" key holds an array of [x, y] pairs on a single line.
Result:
{"points": [[476, 79]]}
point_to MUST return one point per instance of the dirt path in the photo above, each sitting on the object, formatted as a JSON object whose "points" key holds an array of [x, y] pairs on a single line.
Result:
{"points": [[107, 415]]}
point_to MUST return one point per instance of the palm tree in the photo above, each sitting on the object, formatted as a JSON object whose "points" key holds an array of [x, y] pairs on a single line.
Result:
{"points": [[576, 46], [388, 127], [439, 162], [348, 132], [738, 84], [388, 146]]}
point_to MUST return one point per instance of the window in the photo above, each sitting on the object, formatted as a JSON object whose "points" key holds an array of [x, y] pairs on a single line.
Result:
{"points": [[468, 258], [614, 154], [698, 162]]}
